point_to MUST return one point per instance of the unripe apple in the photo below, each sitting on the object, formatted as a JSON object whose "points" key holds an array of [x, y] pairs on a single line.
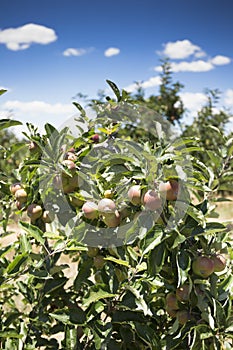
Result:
{"points": [[219, 262], [90, 210], [21, 195], [99, 261], [112, 220], [171, 301], [34, 211], [134, 194], [14, 187], [48, 216], [182, 293], [92, 251], [121, 275], [98, 277], [106, 206], [169, 190], [183, 316], [75, 201], [203, 266], [70, 184], [108, 194], [151, 200]]}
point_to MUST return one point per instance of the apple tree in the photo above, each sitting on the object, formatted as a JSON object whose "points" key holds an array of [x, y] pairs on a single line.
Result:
{"points": [[116, 246]]}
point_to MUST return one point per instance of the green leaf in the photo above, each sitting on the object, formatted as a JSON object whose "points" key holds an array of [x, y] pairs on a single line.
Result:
{"points": [[117, 261], [15, 265], [152, 239], [95, 295], [114, 89], [7, 123], [77, 315], [53, 284], [2, 91], [33, 231], [10, 334], [64, 318], [83, 274]]}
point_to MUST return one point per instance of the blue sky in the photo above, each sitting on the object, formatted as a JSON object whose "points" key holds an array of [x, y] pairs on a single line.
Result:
{"points": [[52, 49]]}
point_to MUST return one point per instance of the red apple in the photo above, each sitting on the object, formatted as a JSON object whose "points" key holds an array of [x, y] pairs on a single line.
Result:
{"points": [[48, 216], [90, 210], [21, 195], [95, 138], [203, 266], [70, 166], [14, 187], [106, 206], [34, 211], [182, 293], [171, 301], [169, 190], [183, 316], [151, 200], [134, 194], [219, 262]]}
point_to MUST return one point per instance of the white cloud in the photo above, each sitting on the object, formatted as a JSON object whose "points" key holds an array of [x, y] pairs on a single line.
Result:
{"points": [[220, 60], [111, 51], [153, 81], [76, 52], [194, 66], [228, 98], [23, 37], [182, 49], [193, 101]]}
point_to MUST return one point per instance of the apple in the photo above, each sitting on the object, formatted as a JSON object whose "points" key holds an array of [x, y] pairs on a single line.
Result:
{"points": [[33, 147], [71, 156], [169, 190], [171, 312], [112, 220], [151, 200], [48, 216], [19, 205], [76, 201], [203, 266], [98, 277], [70, 165], [108, 194], [95, 138], [121, 275], [219, 262], [34, 211], [21, 195], [14, 187], [106, 206], [183, 316], [70, 184], [90, 210], [182, 293], [134, 194], [92, 251], [99, 261], [171, 301]]}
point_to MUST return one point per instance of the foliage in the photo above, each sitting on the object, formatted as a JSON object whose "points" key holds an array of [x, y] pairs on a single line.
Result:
{"points": [[78, 283]]}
